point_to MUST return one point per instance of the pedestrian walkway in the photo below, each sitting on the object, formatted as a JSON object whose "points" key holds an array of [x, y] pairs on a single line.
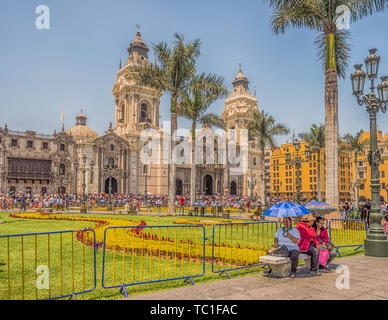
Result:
{"points": [[368, 281]]}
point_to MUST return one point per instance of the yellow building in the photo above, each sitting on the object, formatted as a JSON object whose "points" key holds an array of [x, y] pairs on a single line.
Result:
{"points": [[283, 174], [364, 170]]}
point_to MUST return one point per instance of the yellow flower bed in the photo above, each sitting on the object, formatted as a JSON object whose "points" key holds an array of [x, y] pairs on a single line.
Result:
{"points": [[141, 241], [203, 222]]}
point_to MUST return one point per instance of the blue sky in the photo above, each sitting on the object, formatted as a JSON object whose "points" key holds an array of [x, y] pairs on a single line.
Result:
{"points": [[73, 65]]}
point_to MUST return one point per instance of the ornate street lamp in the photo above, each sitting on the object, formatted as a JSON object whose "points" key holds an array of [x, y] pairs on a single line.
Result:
{"points": [[252, 181], [147, 151], [376, 243], [108, 168], [297, 161], [83, 169]]}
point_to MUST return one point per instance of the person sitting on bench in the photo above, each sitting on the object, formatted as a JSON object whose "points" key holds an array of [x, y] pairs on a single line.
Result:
{"points": [[309, 243], [323, 238], [289, 236]]}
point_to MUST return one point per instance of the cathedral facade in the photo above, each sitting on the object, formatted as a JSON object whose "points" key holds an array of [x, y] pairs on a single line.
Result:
{"points": [[78, 160]]}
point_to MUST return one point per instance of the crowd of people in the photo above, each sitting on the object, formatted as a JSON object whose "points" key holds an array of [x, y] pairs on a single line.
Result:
{"points": [[23, 201]]}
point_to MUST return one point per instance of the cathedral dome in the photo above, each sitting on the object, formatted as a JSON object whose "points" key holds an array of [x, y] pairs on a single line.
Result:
{"points": [[80, 131]]}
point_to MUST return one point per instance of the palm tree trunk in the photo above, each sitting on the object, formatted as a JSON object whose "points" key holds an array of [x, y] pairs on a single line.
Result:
{"points": [[331, 123], [319, 175], [172, 173], [193, 167]]}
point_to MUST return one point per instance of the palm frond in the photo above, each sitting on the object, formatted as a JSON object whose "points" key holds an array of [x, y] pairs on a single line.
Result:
{"points": [[342, 50], [264, 128], [363, 8], [297, 14], [213, 120]]}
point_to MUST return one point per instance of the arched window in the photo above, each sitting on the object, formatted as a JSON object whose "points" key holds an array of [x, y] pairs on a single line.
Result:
{"points": [[143, 113], [112, 147], [232, 132], [111, 161], [62, 169], [122, 113], [12, 189]]}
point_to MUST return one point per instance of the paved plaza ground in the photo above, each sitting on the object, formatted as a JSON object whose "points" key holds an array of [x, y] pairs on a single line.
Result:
{"points": [[368, 281]]}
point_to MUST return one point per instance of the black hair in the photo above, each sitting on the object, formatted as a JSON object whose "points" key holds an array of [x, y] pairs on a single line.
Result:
{"points": [[315, 226], [386, 217]]}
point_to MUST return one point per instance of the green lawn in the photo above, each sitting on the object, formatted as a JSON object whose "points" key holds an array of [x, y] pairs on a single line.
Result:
{"points": [[71, 263]]}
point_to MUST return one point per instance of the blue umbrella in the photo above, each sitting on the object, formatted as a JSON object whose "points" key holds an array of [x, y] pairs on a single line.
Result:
{"points": [[319, 207], [286, 209]]}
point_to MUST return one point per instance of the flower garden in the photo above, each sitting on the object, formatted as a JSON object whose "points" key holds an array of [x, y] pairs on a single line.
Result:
{"points": [[132, 254], [139, 249]]}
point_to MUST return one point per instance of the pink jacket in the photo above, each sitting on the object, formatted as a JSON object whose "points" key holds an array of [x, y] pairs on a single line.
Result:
{"points": [[307, 234], [323, 236]]}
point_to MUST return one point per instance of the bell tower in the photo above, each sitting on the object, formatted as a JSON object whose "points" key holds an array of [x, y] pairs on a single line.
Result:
{"points": [[136, 106], [238, 112]]}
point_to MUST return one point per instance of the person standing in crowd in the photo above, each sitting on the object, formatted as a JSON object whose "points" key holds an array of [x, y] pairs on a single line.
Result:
{"points": [[4, 204], [367, 210], [384, 223], [182, 205]]}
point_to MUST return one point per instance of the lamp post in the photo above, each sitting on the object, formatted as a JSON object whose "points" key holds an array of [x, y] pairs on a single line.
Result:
{"points": [[376, 243], [146, 150], [296, 162], [83, 169], [108, 168], [252, 181]]}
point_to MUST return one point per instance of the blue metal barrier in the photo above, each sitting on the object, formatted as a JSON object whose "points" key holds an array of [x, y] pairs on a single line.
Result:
{"points": [[145, 246], [51, 254], [239, 245], [347, 233]]}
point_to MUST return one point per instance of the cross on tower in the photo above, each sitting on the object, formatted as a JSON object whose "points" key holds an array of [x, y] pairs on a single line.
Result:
{"points": [[138, 27]]}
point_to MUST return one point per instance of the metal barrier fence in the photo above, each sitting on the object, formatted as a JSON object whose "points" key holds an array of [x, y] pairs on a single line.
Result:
{"points": [[146, 254], [47, 265], [347, 233], [239, 245]]}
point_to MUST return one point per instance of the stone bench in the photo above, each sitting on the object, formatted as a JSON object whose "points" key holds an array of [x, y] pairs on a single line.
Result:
{"points": [[281, 266]]}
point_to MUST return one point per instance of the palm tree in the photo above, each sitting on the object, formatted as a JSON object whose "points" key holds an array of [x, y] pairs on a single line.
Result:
{"points": [[316, 141], [357, 147], [264, 128], [171, 73], [333, 51], [203, 90]]}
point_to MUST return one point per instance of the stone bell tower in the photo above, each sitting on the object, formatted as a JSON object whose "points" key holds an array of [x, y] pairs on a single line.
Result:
{"points": [[137, 107], [238, 111]]}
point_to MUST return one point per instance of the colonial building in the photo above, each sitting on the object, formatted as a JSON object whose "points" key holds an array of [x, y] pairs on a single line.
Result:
{"points": [[284, 175], [77, 159], [361, 170]]}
